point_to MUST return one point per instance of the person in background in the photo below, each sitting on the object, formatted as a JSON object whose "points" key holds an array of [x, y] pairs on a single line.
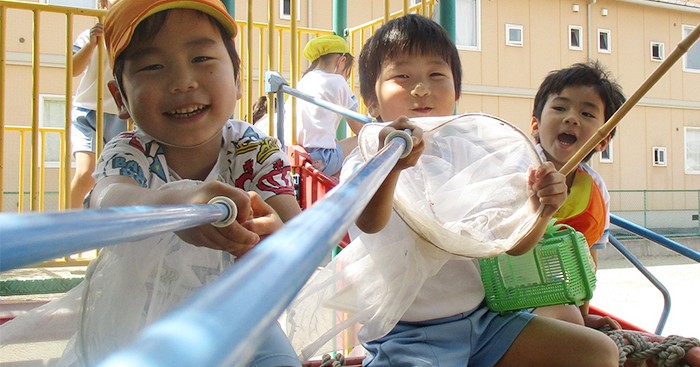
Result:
{"points": [[84, 114], [326, 78]]}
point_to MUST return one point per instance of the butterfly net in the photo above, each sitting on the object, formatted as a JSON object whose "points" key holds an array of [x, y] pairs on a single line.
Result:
{"points": [[466, 197]]}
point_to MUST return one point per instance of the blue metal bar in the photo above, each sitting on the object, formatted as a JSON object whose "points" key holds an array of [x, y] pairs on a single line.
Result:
{"points": [[274, 82], [655, 237], [325, 104], [223, 323], [642, 269], [30, 238]]}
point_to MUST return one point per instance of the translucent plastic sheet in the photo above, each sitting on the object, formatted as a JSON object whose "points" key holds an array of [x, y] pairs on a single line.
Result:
{"points": [[127, 287]]}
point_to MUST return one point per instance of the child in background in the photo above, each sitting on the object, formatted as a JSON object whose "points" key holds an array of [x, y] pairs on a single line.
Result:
{"points": [[180, 90], [410, 67], [570, 106], [326, 78], [84, 118]]}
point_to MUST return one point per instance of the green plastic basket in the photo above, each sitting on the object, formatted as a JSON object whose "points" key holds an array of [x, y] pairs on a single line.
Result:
{"points": [[558, 270]]}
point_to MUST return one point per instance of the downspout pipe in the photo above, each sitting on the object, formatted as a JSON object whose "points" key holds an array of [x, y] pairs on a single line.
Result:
{"points": [[448, 12], [340, 24]]}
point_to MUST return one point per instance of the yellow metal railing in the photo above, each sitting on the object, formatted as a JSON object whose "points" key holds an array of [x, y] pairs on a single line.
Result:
{"points": [[24, 136], [282, 51]]}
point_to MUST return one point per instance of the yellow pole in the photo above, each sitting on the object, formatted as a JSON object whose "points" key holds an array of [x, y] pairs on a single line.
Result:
{"points": [[99, 123], [3, 26], [34, 154], [64, 186], [387, 12], [271, 63], [249, 64], [294, 67]]}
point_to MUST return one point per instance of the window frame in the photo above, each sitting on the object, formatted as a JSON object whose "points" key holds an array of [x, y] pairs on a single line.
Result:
{"points": [[608, 33], [579, 30], [43, 99], [284, 16], [661, 48], [509, 41], [659, 156], [609, 150], [93, 3], [686, 129], [695, 48], [477, 29]]}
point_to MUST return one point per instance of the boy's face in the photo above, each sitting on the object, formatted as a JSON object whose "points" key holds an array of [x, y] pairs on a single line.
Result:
{"points": [[180, 86], [413, 86], [568, 120]]}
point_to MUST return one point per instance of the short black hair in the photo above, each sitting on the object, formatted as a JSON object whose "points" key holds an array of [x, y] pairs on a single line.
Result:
{"points": [[411, 33]]}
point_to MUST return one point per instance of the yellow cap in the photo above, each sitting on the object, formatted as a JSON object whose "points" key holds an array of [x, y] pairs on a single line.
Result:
{"points": [[325, 45], [124, 16]]}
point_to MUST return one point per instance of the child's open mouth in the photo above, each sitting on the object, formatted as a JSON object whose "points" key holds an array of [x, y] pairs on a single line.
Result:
{"points": [[567, 139], [187, 112]]}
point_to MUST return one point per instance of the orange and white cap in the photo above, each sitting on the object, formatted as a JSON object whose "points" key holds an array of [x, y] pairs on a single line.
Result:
{"points": [[124, 16]]}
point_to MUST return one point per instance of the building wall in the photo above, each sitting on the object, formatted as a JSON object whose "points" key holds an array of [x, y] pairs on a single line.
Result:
{"points": [[498, 79]]}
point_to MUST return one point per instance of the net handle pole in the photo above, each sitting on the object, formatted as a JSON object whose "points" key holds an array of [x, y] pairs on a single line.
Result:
{"points": [[605, 130]]}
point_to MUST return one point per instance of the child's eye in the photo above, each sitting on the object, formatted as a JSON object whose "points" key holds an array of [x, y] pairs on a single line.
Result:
{"points": [[588, 114], [201, 58], [558, 108], [151, 67]]}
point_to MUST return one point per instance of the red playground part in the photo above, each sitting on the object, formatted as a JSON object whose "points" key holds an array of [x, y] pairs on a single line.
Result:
{"points": [[312, 184]]}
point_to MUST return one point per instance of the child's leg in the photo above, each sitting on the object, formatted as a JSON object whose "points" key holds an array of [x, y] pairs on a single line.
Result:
{"points": [[549, 342], [568, 313], [275, 351]]}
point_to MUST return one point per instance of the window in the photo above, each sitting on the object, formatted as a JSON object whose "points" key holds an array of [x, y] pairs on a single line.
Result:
{"points": [[52, 114], [286, 9], [606, 156], [514, 35], [657, 51], [692, 150], [575, 42], [89, 4], [468, 28], [691, 60], [604, 41], [658, 156]]}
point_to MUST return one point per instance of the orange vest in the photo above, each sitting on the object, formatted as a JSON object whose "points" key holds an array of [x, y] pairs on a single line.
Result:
{"points": [[584, 208]]}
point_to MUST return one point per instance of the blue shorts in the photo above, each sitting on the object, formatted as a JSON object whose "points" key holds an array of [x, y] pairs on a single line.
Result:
{"points": [[328, 161], [275, 350], [479, 338], [82, 134]]}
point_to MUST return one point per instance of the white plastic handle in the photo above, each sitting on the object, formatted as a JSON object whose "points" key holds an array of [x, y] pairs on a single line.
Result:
{"points": [[232, 210], [406, 136]]}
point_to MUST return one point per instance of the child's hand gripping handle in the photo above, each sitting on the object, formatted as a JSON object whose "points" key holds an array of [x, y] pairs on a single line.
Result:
{"points": [[229, 206], [404, 134]]}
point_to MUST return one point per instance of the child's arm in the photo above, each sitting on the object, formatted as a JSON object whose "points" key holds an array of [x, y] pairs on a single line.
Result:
{"points": [[378, 211], [548, 187], [237, 238]]}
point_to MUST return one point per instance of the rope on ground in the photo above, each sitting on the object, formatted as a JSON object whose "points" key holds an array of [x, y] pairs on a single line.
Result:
{"points": [[637, 347], [327, 361]]}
